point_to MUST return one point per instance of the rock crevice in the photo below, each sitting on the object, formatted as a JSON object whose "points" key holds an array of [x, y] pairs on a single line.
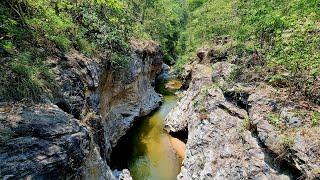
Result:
{"points": [[71, 135]]}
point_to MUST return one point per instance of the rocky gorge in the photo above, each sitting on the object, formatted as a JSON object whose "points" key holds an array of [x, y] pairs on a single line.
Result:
{"points": [[233, 129], [159, 89], [71, 134]]}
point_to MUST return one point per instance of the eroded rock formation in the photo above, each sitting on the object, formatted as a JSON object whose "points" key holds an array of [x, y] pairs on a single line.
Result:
{"points": [[129, 93], [230, 133], [70, 135]]}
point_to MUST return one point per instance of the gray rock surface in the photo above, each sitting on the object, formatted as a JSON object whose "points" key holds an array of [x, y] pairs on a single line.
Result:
{"points": [[177, 119], [78, 79], [238, 131], [165, 74], [219, 146], [41, 142], [298, 143]]}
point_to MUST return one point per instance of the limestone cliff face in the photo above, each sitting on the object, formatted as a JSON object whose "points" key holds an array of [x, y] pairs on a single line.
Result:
{"points": [[129, 93], [230, 131], [71, 134]]}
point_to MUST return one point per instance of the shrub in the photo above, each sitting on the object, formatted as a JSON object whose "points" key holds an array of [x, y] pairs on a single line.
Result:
{"points": [[8, 46], [86, 47], [61, 41], [24, 77], [274, 119], [315, 119], [247, 125], [287, 142]]}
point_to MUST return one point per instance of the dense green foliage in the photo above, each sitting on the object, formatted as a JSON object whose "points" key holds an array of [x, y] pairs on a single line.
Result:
{"points": [[31, 30], [159, 20], [206, 20], [84, 25], [285, 34]]}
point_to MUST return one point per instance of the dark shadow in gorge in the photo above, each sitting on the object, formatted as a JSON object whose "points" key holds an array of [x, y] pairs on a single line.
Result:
{"points": [[182, 135], [239, 99], [126, 146]]}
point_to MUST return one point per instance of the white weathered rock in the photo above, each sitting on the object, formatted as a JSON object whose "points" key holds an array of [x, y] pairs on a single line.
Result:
{"points": [[123, 175], [219, 146]]}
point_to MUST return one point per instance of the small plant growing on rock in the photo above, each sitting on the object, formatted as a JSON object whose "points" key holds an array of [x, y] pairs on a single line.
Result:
{"points": [[196, 104], [246, 124], [278, 80], [287, 142], [235, 74], [315, 119], [274, 119], [199, 103], [206, 92]]}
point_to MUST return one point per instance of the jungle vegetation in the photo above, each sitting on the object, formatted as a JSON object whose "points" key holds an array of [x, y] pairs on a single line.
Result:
{"points": [[283, 34]]}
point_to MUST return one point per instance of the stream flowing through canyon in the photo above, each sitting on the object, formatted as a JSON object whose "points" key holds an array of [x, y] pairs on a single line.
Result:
{"points": [[147, 150]]}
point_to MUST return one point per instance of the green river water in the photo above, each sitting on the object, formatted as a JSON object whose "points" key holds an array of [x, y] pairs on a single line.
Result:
{"points": [[146, 150]]}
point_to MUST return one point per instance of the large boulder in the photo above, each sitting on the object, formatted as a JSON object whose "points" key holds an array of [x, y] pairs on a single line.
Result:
{"points": [[165, 74], [41, 141]]}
